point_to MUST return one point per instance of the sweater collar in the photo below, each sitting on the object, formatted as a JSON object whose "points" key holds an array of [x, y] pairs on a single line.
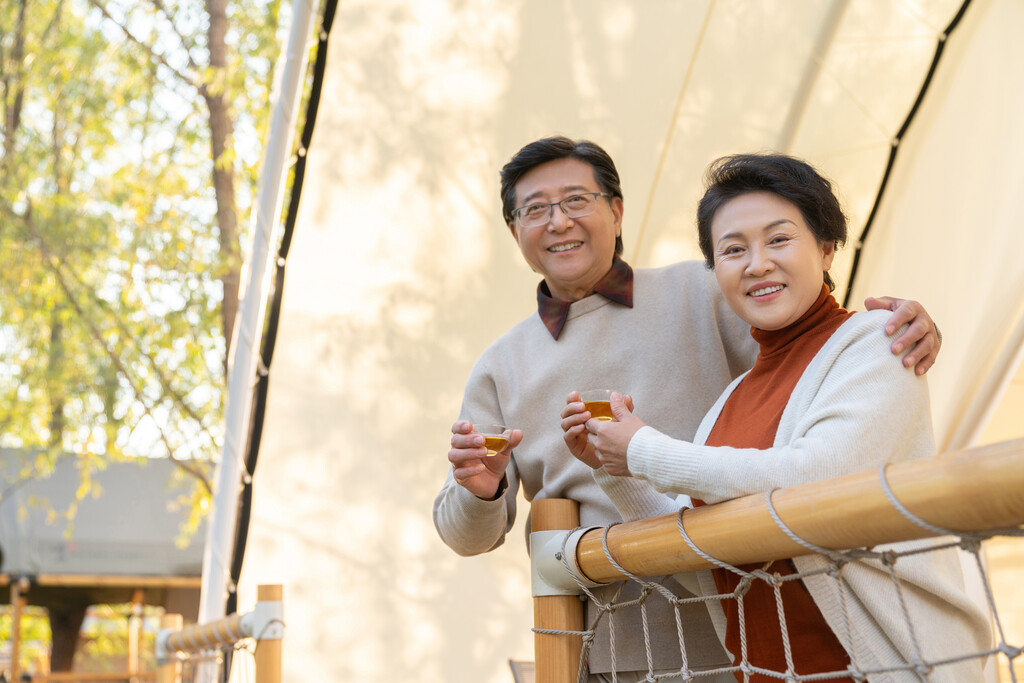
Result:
{"points": [[616, 285]]}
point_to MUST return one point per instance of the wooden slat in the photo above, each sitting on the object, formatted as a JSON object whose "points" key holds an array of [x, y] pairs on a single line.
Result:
{"points": [[82, 677], [109, 580]]}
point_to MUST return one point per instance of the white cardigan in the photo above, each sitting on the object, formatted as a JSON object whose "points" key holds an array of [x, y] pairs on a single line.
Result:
{"points": [[854, 408]]}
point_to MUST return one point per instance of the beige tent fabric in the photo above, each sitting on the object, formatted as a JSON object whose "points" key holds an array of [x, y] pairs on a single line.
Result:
{"points": [[951, 229], [401, 271]]}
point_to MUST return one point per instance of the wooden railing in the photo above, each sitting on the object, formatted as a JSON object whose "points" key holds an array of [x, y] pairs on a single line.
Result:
{"points": [[973, 490], [264, 624], [104, 677]]}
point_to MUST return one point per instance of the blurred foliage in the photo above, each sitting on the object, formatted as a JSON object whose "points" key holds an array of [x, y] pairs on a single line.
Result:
{"points": [[111, 342], [105, 637], [35, 636]]}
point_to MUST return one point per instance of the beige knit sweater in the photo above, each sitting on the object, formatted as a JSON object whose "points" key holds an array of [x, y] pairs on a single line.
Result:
{"points": [[674, 352]]}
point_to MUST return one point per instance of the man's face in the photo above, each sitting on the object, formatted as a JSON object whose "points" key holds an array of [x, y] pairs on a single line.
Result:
{"points": [[572, 254]]}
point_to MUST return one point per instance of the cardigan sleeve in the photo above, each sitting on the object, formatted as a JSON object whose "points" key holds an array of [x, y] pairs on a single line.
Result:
{"points": [[855, 407], [467, 524], [636, 499]]}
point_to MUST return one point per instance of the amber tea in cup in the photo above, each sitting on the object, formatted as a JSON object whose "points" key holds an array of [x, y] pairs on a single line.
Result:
{"points": [[495, 437], [598, 403]]}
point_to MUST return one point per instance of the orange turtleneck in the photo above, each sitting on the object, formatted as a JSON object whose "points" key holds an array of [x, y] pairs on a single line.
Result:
{"points": [[750, 419]]}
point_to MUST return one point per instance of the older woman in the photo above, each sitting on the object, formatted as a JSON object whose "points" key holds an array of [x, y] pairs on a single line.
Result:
{"points": [[824, 398]]}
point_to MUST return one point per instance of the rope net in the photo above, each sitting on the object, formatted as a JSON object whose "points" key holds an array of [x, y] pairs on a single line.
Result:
{"points": [[236, 663], [900, 611], [237, 648]]}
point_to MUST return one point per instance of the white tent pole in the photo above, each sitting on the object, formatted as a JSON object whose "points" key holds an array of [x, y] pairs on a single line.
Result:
{"points": [[244, 349]]}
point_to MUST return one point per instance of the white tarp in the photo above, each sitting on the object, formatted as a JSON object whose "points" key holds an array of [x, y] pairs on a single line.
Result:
{"points": [[402, 272], [128, 525]]}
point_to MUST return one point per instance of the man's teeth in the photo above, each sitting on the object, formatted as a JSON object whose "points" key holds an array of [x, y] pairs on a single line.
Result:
{"points": [[766, 290], [565, 247]]}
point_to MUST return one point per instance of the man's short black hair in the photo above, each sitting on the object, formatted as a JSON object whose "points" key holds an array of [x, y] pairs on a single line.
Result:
{"points": [[550, 149]]}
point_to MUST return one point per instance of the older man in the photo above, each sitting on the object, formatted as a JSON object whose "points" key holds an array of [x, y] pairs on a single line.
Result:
{"points": [[664, 336]]}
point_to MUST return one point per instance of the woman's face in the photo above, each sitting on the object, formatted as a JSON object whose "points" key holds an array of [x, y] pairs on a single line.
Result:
{"points": [[768, 263]]}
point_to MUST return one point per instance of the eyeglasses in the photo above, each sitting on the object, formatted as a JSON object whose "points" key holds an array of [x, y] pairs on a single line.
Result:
{"points": [[576, 206]]}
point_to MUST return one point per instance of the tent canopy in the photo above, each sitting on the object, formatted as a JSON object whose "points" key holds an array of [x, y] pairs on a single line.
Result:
{"points": [[129, 528], [402, 270]]}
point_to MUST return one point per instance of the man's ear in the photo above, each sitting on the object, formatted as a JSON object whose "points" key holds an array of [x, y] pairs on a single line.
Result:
{"points": [[618, 208], [512, 229]]}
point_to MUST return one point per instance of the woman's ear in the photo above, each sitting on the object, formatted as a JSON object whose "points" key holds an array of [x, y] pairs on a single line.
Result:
{"points": [[828, 252]]}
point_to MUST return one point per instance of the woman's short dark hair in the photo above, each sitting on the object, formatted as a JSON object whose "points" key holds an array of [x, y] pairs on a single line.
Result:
{"points": [[553, 148], [788, 177]]}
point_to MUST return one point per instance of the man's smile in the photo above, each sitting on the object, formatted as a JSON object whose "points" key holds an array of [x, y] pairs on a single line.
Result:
{"points": [[565, 246]]}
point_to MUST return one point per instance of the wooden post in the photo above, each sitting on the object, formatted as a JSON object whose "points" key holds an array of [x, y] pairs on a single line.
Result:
{"points": [[557, 657], [169, 671], [17, 603], [268, 652], [135, 633]]}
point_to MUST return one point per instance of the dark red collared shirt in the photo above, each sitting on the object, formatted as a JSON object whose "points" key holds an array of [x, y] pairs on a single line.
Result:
{"points": [[616, 285]]}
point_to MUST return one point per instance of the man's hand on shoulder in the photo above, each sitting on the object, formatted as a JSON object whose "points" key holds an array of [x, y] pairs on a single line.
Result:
{"points": [[922, 336]]}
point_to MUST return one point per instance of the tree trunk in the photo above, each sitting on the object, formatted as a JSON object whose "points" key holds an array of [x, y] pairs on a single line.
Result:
{"points": [[55, 363], [12, 78], [109, 393], [221, 134], [65, 624], [56, 389]]}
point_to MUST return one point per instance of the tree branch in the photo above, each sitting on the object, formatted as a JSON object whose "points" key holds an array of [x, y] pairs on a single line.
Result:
{"points": [[52, 263], [165, 383], [54, 23], [185, 44], [199, 85], [161, 376]]}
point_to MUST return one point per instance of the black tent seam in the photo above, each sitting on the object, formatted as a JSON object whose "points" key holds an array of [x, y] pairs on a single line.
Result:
{"points": [[273, 316], [896, 144]]}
